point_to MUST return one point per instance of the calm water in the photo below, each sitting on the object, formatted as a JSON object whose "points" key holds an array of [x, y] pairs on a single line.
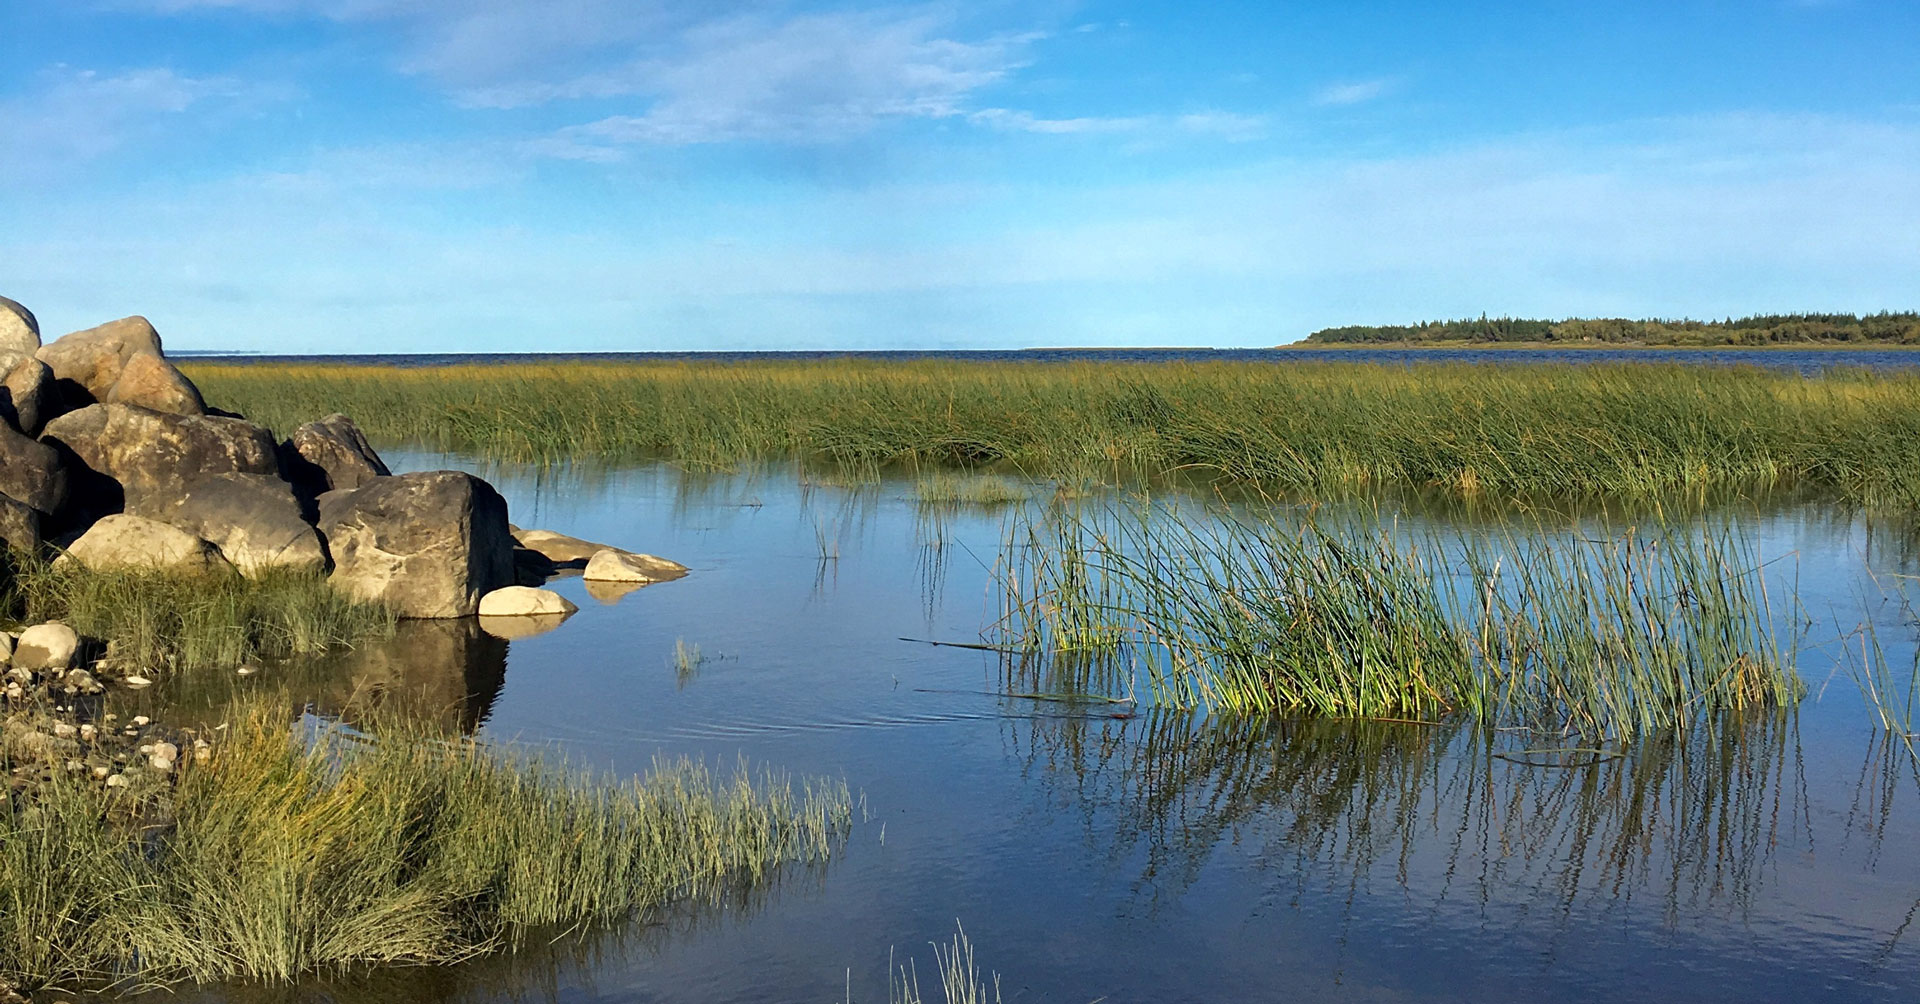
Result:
{"points": [[1164, 857], [1807, 361]]}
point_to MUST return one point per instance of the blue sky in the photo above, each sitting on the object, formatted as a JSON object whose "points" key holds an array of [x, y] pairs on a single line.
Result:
{"points": [[499, 175]]}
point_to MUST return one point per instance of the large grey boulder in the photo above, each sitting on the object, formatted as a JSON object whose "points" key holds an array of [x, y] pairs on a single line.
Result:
{"points": [[253, 518], [19, 332], [428, 544], [122, 542], [151, 457], [91, 361], [19, 526], [31, 472], [26, 386], [151, 382], [332, 454]]}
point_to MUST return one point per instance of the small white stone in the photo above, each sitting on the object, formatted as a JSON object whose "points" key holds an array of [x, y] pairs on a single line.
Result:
{"points": [[116, 780], [136, 682], [142, 721], [160, 763], [63, 730], [246, 670], [101, 772], [86, 733], [144, 750]]}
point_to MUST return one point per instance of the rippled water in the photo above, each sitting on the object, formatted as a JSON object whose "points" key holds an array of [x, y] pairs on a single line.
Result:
{"points": [[1162, 857]]}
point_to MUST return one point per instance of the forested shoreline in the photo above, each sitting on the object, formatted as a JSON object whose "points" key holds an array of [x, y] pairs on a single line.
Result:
{"points": [[1886, 327]]}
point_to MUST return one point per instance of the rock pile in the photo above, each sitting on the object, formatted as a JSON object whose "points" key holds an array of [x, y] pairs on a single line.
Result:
{"points": [[110, 457]]}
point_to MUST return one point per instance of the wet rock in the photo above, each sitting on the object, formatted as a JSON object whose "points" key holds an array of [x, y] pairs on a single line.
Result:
{"points": [[559, 548], [19, 331], [520, 601], [45, 647], [150, 457], [332, 454], [126, 541], [428, 544], [19, 526], [25, 386], [31, 472], [86, 364], [623, 566], [253, 518], [151, 382]]}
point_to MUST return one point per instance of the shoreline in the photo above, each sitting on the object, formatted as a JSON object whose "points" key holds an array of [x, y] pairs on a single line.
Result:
{"points": [[1597, 346]]}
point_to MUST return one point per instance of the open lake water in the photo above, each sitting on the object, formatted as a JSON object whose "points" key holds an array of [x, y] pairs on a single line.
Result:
{"points": [[1162, 857]]}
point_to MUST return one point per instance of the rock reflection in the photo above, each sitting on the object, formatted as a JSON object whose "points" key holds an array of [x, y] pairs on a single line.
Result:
{"points": [[1692, 820], [445, 672]]}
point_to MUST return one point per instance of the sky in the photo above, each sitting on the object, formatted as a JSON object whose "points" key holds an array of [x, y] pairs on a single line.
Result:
{"points": [[630, 175]]}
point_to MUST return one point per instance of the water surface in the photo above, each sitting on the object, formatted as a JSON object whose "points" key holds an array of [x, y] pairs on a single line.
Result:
{"points": [[1162, 857]]}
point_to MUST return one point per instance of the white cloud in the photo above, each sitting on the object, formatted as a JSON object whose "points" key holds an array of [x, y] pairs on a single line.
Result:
{"points": [[1699, 216], [1355, 92], [1229, 126], [75, 115]]}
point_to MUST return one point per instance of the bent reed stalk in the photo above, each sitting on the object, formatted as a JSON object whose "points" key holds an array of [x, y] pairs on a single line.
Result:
{"points": [[285, 855], [1595, 431], [1245, 613]]}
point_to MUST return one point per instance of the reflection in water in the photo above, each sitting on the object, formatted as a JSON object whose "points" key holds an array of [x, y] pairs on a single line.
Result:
{"points": [[444, 673], [1691, 821]]}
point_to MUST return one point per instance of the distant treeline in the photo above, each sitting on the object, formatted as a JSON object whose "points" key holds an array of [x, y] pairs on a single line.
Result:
{"points": [[1766, 329]]}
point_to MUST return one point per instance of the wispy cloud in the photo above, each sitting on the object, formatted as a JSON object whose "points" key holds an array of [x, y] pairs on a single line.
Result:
{"points": [[1229, 126], [76, 115], [1355, 92]]}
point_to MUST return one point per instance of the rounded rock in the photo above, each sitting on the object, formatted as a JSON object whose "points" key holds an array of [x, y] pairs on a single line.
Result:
{"points": [[46, 646], [525, 601]]}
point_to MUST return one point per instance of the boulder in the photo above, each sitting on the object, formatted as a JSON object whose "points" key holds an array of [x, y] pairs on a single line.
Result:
{"points": [[623, 566], [253, 518], [19, 526], [150, 457], [524, 601], [332, 454], [26, 388], [19, 332], [31, 472], [46, 646], [562, 550], [86, 364], [151, 382], [135, 542], [429, 544]]}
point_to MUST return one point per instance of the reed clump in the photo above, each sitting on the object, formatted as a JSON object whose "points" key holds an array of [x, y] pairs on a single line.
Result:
{"points": [[1598, 431], [161, 620], [1259, 613], [285, 854]]}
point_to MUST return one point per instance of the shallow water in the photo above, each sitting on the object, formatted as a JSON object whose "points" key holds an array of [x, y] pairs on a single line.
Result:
{"points": [[1162, 857]]}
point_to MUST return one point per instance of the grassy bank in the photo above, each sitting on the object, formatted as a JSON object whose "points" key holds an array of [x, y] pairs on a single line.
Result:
{"points": [[155, 620], [1610, 637], [1633, 431], [284, 855]]}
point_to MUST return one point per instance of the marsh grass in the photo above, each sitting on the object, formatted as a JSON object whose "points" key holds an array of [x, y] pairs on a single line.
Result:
{"points": [[1636, 431], [1265, 613], [166, 621], [288, 854], [959, 976], [948, 488]]}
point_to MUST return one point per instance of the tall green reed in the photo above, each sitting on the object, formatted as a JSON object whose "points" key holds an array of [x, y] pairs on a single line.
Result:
{"points": [[285, 855], [1260, 612]]}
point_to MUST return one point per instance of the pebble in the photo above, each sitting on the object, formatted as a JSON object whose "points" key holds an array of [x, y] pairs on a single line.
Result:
{"points": [[136, 682], [247, 670], [101, 772], [63, 730], [116, 780], [142, 721], [86, 733]]}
